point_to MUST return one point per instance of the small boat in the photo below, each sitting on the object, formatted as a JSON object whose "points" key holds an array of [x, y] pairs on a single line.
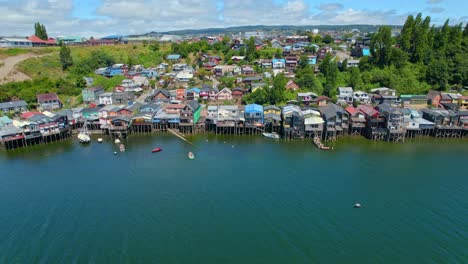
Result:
{"points": [[115, 152], [271, 135], [99, 140], [117, 141], [191, 155], [83, 136], [358, 205], [156, 150], [122, 147]]}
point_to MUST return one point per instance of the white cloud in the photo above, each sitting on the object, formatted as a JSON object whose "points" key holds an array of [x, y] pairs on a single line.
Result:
{"points": [[330, 7], [435, 9], [142, 16]]}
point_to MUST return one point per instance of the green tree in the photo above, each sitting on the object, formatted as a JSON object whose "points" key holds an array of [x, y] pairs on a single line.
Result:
{"points": [[276, 95], [307, 81], [437, 74], [407, 34], [381, 45], [355, 79], [328, 39], [303, 62], [40, 31], [66, 60]]}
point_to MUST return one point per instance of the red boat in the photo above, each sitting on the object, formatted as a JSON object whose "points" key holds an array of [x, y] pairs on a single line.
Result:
{"points": [[156, 150]]}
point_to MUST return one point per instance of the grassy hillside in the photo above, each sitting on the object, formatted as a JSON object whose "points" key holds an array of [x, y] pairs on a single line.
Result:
{"points": [[49, 66], [5, 53]]}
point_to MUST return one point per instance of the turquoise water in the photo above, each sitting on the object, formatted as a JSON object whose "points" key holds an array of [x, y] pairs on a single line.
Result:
{"points": [[261, 201]]}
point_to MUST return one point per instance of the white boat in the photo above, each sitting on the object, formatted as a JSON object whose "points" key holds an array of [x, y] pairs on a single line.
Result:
{"points": [[99, 140], [83, 136], [122, 147], [271, 135], [117, 141]]}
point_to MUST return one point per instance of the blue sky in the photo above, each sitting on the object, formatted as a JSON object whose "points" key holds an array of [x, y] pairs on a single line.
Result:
{"points": [[102, 17]]}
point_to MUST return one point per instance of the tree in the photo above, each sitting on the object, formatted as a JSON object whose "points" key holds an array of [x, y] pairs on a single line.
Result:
{"points": [[276, 94], [40, 31], [66, 60], [328, 39], [307, 81], [407, 34], [381, 45], [303, 62], [355, 79], [251, 52], [437, 74], [330, 70]]}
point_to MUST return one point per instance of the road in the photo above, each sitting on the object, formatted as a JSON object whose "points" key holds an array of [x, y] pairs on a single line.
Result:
{"points": [[9, 72]]}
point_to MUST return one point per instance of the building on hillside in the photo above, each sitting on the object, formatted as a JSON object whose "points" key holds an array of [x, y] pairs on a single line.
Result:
{"points": [[14, 106], [91, 94], [37, 42], [15, 42], [48, 101], [291, 85], [345, 96], [106, 98]]}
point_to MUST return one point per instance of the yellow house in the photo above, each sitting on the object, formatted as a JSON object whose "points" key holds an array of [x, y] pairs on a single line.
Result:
{"points": [[463, 102], [271, 109]]}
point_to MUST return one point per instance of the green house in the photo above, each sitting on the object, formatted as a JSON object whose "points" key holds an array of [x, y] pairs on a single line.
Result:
{"points": [[190, 114], [91, 94]]}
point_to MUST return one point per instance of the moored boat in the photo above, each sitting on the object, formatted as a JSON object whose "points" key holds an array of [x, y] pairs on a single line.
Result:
{"points": [[117, 141], [156, 150], [99, 140], [122, 147], [191, 155], [271, 135], [83, 136]]}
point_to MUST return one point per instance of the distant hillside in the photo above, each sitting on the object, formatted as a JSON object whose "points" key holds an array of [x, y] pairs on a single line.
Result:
{"points": [[282, 28]]}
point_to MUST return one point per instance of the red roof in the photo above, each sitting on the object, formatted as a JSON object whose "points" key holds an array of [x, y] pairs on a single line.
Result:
{"points": [[27, 115], [47, 97], [322, 98], [351, 110], [368, 110], [175, 106], [35, 39]]}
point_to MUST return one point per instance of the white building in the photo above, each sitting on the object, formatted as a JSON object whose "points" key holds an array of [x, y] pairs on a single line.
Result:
{"points": [[15, 43], [362, 97], [345, 95], [184, 76], [106, 98]]}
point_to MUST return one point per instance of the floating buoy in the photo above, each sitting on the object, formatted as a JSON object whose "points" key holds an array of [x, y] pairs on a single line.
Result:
{"points": [[358, 205], [232, 146], [207, 140], [115, 152]]}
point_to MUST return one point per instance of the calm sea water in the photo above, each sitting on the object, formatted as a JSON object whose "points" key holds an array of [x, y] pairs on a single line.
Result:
{"points": [[261, 201]]}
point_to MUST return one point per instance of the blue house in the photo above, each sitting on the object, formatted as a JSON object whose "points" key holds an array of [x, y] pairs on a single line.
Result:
{"points": [[365, 51], [149, 73], [173, 57], [312, 60], [149, 108], [253, 115], [111, 72]]}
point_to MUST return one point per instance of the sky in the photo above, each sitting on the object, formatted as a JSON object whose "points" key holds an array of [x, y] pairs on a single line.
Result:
{"points": [[99, 18]]}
